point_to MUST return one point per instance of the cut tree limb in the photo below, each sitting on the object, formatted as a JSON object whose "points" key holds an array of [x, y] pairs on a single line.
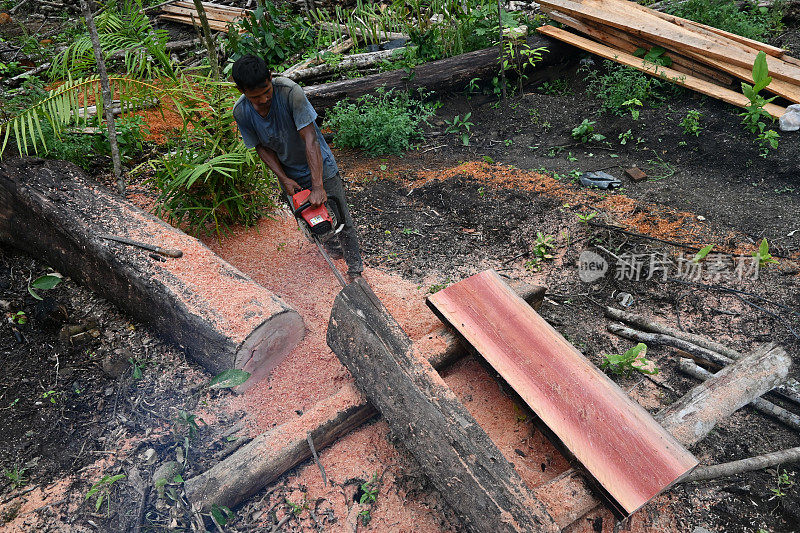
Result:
{"points": [[380, 35], [759, 404], [220, 316], [459, 459], [357, 61], [272, 454], [721, 395], [703, 473], [788, 390]]}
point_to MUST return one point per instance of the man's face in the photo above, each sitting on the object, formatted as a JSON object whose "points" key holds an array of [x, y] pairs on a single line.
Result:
{"points": [[260, 97]]}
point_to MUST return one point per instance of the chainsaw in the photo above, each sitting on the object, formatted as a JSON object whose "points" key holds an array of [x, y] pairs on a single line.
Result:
{"points": [[319, 224]]}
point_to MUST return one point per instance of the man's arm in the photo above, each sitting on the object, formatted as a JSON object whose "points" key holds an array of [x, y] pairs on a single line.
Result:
{"points": [[318, 195], [269, 157]]}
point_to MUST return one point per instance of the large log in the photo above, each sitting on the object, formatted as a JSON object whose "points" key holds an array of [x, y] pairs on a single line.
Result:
{"points": [[589, 413], [272, 454], [720, 396], [478, 483], [452, 73], [220, 316]]}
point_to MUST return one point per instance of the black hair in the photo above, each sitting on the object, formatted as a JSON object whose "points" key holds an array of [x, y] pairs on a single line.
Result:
{"points": [[250, 72]]}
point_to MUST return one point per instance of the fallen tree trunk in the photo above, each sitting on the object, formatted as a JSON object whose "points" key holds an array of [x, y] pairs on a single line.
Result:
{"points": [[220, 316], [357, 61], [272, 454], [452, 73], [459, 459], [721, 395], [759, 404]]}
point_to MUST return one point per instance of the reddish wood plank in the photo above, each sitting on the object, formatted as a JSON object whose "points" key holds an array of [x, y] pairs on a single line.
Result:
{"points": [[619, 443]]}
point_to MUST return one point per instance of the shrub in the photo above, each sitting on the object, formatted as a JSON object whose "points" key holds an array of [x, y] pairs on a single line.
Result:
{"points": [[384, 123], [753, 21]]}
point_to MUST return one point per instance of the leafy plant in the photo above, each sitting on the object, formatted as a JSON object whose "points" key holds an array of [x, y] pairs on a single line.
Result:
{"points": [[540, 250], [131, 131], [584, 132], [220, 515], [656, 55], [704, 251], [16, 476], [587, 217], [620, 84], [369, 494], [102, 489], [763, 255], [460, 126], [188, 421], [436, 287], [271, 32], [691, 123], [19, 318], [755, 112], [631, 105], [382, 123], [633, 359], [784, 481], [556, 87], [228, 379], [45, 282]]}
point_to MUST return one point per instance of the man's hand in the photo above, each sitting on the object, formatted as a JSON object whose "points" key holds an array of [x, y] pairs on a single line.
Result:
{"points": [[317, 197], [290, 186]]}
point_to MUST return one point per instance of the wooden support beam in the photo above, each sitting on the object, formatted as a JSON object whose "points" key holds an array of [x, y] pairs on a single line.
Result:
{"points": [[221, 317], [455, 453], [272, 454], [589, 413]]}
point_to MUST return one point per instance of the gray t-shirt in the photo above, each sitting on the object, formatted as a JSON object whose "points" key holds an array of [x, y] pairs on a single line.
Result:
{"points": [[289, 112]]}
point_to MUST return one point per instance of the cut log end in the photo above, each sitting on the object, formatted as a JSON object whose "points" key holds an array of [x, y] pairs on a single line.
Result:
{"points": [[268, 345]]}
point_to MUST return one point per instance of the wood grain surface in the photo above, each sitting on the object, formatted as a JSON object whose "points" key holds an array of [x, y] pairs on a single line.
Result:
{"points": [[617, 441]]}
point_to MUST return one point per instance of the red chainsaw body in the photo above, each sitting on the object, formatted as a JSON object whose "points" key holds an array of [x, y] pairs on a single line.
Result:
{"points": [[318, 219]]}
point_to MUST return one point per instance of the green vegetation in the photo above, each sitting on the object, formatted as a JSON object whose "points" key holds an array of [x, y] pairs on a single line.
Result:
{"points": [[584, 132], [369, 494], [383, 123], [763, 255], [752, 21], [784, 481], [16, 476], [619, 85], [754, 115], [704, 251], [691, 123], [460, 126], [102, 490], [633, 359], [540, 251]]}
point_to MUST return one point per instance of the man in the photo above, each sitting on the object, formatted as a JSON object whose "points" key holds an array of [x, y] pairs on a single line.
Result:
{"points": [[275, 117]]}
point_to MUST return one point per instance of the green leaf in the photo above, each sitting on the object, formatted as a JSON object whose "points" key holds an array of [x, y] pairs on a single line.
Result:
{"points": [[228, 379], [47, 282], [760, 70], [702, 253]]}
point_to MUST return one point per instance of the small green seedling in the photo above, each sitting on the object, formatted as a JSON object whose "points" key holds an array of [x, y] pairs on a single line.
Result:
{"points": [[702, 253], [103, 491], [763, 255], [44, 283], [52, 396], [137, 367], [19, 318], [631, 105], [220, 515], [587, 217], [436, 287], [785, 481], [189, 421], [369, 494], [691, 123], [633, 359], [16, 476], [409, 231], [584, 132], [460, 126], [753, 114]]}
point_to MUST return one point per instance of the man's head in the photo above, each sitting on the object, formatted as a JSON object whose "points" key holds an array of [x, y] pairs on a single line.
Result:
{"points": [[254, 79]]}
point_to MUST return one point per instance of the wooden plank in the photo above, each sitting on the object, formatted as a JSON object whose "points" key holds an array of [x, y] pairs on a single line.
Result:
{"points": [[173, 10], [627, 43], [668, 74], [219, 8], [616, 440], [653, 28], [213, 24], [457, 456], [690, 24]]}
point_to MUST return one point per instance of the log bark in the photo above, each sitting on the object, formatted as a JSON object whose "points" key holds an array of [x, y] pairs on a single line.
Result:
{"points": [[703, 473], [721, 395], [478, 483], [696, 413], [221, 317], [759, 404], [452, 73], [272, 454], [357, 61], [789, 390]]}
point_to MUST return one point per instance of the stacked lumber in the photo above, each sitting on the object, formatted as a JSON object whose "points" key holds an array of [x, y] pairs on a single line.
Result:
{"points": [[704, 59], [219, 16]]}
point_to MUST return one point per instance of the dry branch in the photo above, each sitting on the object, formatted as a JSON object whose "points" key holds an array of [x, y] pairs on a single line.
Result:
{"points": [[703, 473]]}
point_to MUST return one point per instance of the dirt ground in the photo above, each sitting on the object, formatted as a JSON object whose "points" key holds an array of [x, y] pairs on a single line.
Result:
{"points": [[106, 397]]}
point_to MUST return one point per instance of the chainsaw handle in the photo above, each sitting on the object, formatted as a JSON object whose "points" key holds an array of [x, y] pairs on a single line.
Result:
{"points": [[306, 205]]}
